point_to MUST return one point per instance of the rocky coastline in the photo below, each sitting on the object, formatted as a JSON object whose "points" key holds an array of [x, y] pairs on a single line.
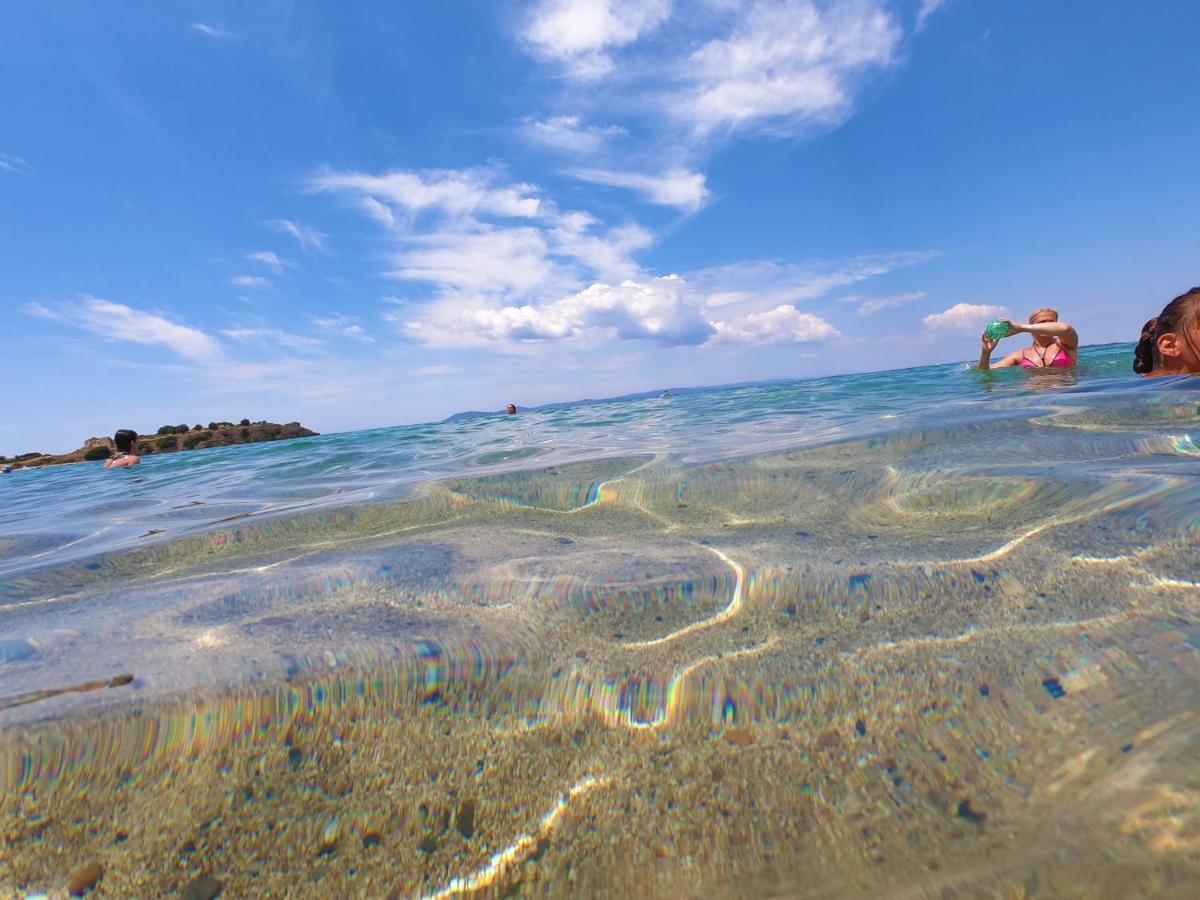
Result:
{"points": [[169, 439]]}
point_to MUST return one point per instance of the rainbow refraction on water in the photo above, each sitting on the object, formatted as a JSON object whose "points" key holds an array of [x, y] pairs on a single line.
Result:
{"points": [[932, 632]]}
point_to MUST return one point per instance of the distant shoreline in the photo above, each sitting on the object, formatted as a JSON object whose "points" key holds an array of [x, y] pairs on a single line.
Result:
{"points": [[169, 439]]}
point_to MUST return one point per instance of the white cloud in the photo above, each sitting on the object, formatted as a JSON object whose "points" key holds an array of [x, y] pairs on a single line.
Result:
{"points": [[782, 325], [663, 310], [117, 322], [762, 282], [963, 317], [308, 238], [785, 65], [678, 187], [214, 30], [452, 192], [342, 326], [268, 258], [570, 134], [928, 8], [14, 164], [870, 305], [272, 336], [579, 34], [250, 281], [492, 259]]}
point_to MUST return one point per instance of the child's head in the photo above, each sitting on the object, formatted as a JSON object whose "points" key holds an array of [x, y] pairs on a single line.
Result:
{"points": [[1171, 340], [126, 440]]}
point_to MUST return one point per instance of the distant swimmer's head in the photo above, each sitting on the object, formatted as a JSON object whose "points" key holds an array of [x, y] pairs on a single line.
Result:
{"points": [[511, 409], [126, 441], [1170, 342]]}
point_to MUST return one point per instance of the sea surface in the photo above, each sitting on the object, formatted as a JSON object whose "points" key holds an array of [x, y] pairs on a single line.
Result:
{"points": [[921, 633]]}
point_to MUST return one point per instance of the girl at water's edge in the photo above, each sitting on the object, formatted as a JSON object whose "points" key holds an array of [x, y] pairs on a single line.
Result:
{"points": [[1170, 342], [1055, 344]]}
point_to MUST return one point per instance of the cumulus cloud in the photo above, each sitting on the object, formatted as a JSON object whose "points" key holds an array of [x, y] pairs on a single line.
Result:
{"points": [[579, 34], [213, 30], [963, 317], [118, 322], [307, 237], [782, 325], [678, 187]]}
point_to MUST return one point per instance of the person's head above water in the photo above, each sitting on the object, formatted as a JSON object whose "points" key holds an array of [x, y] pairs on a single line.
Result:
{"points": [[511, 409], [1040, 317], [126, 441], [1170, 342]]}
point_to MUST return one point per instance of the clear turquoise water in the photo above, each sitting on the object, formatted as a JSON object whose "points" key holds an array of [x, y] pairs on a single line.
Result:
{"points": [[858, 602]]}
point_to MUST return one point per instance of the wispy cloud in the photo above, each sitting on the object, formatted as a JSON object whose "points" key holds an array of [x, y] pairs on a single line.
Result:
{"points": [[962, 318], [213, 30], [272, 336], [579, 34], [928, 8], [268, 258], [784, 66], [453, 192], [250, 281], [870, 305], [14, 164], [308, 238], [118, 322], [679, 188], [342, 326], [569, 133]]}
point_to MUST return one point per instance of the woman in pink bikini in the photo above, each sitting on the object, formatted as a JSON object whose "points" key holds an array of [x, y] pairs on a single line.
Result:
{"points": [[1055, 344]]}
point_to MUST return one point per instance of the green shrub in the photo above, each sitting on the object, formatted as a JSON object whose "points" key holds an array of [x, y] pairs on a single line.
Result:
{"points": [[165, 443], [193, 439], [94, 453], [245, 433], [244, 422], [166, 429]]}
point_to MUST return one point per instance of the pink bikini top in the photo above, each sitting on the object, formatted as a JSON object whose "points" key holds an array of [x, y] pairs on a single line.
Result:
{"points": [[1061, 360]]}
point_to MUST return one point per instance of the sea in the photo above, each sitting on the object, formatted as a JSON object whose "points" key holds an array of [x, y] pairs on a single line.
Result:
{"points": [[922, 633]]}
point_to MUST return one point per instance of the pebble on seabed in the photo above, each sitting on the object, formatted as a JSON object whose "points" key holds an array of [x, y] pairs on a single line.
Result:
{"points": [[329, 837], [85, 878]]}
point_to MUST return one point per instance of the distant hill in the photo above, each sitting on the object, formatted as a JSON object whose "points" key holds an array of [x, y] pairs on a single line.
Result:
{"points": [[170, 439]]}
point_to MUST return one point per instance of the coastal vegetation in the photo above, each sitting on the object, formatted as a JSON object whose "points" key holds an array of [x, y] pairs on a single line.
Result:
{"points": [[170, 439]]}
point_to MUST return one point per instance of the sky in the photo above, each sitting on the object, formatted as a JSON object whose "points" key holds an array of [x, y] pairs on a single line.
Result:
{"points": [[364, 214]]}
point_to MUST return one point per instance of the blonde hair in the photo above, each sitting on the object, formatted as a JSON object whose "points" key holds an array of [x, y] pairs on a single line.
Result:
{"points": [[1044, 309]]}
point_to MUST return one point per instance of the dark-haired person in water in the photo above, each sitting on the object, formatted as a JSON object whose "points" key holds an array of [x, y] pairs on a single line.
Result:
{"points": [[1170, 342], [1055, 344], [126, 454]]}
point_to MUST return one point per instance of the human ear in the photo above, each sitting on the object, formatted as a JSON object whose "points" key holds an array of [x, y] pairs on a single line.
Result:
{"points": [[1170, 345]]}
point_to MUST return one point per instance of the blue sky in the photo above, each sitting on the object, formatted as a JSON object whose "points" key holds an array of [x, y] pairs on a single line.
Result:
{"points": [[364, 214]]}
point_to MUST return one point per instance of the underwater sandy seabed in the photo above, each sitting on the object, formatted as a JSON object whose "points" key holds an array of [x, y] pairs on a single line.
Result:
{"points": [[944, 663]]}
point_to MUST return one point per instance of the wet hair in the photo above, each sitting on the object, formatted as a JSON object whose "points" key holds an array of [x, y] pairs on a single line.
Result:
{"points": [[1181, 314], [126, 440], [1044, 309]]}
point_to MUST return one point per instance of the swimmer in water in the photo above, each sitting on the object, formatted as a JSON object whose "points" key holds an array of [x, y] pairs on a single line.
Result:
{"points": [[511, 409], [126, 455], [1055, 344], [1170, 342]]}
